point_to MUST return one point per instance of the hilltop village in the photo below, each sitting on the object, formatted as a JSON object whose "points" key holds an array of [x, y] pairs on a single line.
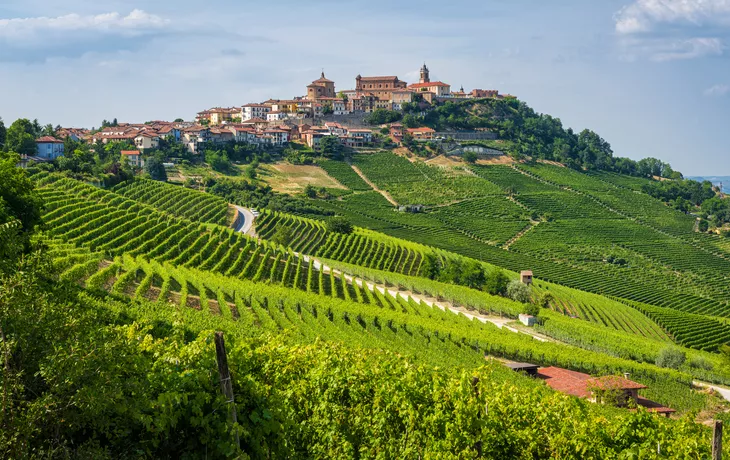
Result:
{"points": [[321, 112]]}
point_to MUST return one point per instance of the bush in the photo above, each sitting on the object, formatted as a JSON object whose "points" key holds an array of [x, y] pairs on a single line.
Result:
{"points": [[496, 283], [283, 235], [518, 291], [531, 309], [470, 157], [700, 362], [671, 357], [339, 224], [546, 299]]}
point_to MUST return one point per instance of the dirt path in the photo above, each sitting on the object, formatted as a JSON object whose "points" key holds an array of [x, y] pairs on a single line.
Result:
{"points": [[385, 194], [501, 323]]}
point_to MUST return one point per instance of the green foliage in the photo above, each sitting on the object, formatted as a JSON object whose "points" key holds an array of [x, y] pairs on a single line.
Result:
{"points": [[470, 157], [20, 137], [17, 197], [338, 224], [382, 116], [3, 134], [218, 160], [331, 147], [518, 291], [671, 357], [154, 167], [497, 282], [283, 236]]}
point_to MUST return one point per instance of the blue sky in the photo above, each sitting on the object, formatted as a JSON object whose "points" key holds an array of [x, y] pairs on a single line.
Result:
{"points": [[651, 76]]}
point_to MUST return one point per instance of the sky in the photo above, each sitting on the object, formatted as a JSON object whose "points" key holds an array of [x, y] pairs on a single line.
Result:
{"points": [[652, 77]]}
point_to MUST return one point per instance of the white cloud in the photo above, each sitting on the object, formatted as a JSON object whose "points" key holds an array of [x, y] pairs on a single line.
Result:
{"points": [[688, 49], [645, 15], [135, 22], [717, 90], [40, 38]]}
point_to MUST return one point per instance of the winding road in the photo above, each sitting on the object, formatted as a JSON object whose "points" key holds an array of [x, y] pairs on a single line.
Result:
{"points": [[245, 226]]}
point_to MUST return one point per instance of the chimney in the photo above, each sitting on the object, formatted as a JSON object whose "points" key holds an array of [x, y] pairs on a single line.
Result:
{"points": [[626, 375]]}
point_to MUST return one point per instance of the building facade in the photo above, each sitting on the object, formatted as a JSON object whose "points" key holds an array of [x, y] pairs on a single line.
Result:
{"points": [[49, 148]]}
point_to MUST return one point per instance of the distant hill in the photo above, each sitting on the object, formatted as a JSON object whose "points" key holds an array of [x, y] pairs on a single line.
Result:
{"points": [[716, 180]]}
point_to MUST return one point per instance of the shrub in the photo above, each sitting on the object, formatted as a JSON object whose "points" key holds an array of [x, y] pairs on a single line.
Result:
{"points": [[671, 357], [283, 235], [496, 283], [339, 224], [518, 291], [470, 157], [700, 362], [703, 226]]}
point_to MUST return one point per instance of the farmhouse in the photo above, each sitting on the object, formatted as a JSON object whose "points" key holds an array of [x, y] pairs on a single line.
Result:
{"points": [[49, 148], [607, 389]]}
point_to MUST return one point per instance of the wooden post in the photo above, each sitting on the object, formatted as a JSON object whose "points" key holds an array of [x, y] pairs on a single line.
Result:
{"points": [[717, 440], [225, 377]]}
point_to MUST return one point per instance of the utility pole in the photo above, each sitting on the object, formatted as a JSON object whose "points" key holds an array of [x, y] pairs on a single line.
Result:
{"points": [[225, 378]]}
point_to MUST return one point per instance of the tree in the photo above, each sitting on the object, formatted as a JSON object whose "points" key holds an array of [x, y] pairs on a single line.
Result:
{"points": [[472, 275], [518, 291], [331, 147], [310, 191], [20, 137], [218, 160], [250, 171], [470, 157], [496, 283], [339, 224], [671, 357], [178, 120], [283, 235], [430, 266], [154, 167], [327, 108], [3, 133], [411, 121], [18, 199]]}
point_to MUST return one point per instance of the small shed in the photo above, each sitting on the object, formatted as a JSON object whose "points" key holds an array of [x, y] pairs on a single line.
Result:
{"points": [[526, 277], [527, 320]]}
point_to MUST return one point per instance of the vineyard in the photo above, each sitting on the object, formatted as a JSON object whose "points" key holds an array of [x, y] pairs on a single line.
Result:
{"points": [[594, 233], [179, 201], [143, 260], [377, 321]]}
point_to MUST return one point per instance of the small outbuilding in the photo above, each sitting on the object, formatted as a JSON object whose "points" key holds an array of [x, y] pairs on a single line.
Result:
{"points": [[527, 320], [526, 277]]}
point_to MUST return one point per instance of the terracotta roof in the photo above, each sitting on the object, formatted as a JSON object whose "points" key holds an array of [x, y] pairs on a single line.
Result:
{"points": [[614, 382], [48, 140], [526, 272], [565, 381], [130, 152], [426, 85], [389, 77], [424, 129]]}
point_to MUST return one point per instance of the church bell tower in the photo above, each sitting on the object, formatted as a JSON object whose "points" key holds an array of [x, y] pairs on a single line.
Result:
{"points": [[424, 74]]}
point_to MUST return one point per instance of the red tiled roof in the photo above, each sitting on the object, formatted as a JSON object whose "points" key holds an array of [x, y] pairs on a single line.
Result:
{"points": [[426, 85], [48, 140], [130, 152], [614, 382], [389, 77], [424, 129], [565, 381]]}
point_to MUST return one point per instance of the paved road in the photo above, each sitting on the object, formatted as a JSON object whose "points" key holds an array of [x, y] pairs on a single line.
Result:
{"points": [[246, 224], [724, 392]]}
